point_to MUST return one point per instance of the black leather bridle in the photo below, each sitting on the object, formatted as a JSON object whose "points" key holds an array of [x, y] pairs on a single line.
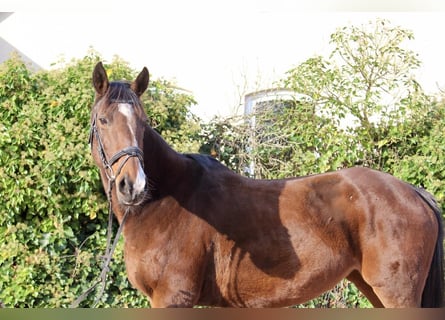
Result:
{"points": [[128, 152]]}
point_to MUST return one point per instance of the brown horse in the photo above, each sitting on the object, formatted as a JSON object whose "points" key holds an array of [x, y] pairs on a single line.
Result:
{"points": [[199, 234]]}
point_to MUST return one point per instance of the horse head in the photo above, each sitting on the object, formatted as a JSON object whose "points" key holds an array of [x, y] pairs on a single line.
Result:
{"points": [[118, 122]]}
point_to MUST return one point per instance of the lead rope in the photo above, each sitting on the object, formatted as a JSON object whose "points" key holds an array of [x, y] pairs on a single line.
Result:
{"points": [[109, 251]]}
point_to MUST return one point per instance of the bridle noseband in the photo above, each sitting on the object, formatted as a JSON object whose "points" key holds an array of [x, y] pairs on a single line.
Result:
{"points": [[129, 152]]}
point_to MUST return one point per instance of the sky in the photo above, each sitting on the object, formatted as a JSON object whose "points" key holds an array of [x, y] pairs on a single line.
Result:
{"points": [[217, 50]]}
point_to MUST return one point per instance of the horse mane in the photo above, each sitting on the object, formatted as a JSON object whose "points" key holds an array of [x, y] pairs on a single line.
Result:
{"points": [[206, 161], [120, 92]]}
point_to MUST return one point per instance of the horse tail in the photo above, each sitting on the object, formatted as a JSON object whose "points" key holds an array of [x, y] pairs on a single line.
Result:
{"points": [[433, 292]]}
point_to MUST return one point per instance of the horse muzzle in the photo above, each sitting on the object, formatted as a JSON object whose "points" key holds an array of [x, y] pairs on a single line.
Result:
{"points": [[131, 191]]}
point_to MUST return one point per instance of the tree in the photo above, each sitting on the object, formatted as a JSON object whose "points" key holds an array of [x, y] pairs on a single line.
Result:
{"points": [[367, 86]]}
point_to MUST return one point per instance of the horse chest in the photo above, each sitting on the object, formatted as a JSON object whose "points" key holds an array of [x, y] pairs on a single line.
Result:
{"points": [[144, 266], [161, 261]]}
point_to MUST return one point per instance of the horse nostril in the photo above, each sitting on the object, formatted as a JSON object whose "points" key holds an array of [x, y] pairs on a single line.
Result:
{"points": [[125, 186]]}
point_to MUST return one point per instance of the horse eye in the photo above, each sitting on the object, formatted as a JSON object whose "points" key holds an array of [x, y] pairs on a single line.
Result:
{"points": [[103, 120]]}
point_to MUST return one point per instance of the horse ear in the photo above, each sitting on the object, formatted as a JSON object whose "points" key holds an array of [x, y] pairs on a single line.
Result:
{"points": [[141, 83], [100, 79]]}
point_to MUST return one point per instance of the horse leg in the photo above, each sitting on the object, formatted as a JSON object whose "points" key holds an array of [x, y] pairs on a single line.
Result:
{"points": [[356, 278], [397, 281], [180, 285], [173, 299], [396, 262], [393, 298], [177, 289]]}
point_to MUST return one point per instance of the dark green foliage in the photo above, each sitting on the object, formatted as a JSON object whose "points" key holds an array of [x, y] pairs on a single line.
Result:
{"points": [[226, 140]]}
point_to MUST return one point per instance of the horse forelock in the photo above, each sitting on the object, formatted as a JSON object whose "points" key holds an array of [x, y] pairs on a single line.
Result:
{"points": [[119, 92]]}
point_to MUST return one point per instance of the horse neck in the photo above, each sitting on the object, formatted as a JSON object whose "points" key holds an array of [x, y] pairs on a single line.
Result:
{"points": [[163, 165]]}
